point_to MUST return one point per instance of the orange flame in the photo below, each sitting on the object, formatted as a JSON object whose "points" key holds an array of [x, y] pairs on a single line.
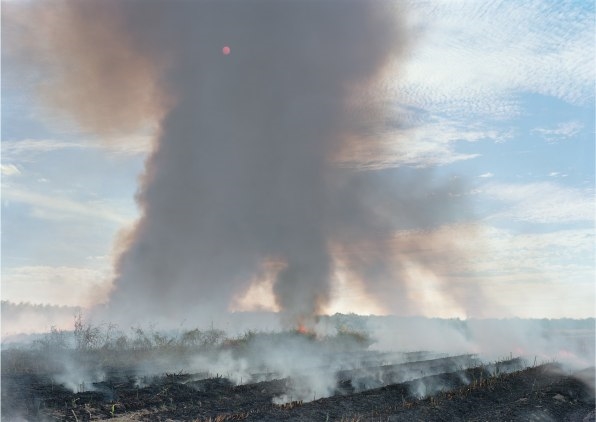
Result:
{"points": [[302, 328]]}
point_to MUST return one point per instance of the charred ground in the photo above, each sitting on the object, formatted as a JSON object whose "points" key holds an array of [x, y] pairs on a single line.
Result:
{"points": [[544, 392], [375, 386], [101, 372]]}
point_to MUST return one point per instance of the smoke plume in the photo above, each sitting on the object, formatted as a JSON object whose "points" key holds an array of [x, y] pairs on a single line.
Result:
{"points": [[244, 166]]}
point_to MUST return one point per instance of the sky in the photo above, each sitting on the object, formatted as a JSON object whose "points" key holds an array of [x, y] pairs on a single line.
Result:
{"points": [[497, 97]]}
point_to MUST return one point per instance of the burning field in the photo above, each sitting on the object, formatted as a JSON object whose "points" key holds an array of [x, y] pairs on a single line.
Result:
{"points": [[280, 183], [101, 373]]}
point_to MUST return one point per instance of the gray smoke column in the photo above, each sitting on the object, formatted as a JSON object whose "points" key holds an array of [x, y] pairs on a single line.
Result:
{"points": [[244, 166]]}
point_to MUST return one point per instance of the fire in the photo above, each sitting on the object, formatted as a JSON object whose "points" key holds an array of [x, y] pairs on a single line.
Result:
{"points": [[305, 325], [302, 328]]}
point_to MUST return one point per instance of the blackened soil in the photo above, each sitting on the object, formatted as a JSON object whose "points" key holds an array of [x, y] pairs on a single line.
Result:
{"points": [[543, 393]]}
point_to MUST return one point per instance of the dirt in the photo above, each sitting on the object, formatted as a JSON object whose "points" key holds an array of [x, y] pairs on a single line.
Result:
{"points": [[483, 393]]}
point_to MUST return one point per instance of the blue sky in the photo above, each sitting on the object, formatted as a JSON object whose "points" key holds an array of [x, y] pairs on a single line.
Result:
{"points": [[499, 95]]}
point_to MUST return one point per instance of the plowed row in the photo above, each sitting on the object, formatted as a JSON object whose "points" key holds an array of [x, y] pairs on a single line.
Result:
{"points": [[436, 388]]}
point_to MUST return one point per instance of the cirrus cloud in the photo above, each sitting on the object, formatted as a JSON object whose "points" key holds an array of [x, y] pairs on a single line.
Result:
{"points": [[542, 202], [489, 52]]}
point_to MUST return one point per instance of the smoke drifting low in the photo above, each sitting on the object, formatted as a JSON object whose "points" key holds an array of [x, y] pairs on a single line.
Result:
{"points": [[243, 168]]}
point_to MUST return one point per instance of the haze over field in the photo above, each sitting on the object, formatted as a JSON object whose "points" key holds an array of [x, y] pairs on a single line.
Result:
{"points": [[300, 157]]}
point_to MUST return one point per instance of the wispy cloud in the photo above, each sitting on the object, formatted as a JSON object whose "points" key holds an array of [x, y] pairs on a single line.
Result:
{"points": [[491, 251], [17, 147], [557, 174], [561, 132], [57, 285], [474, 61], [486, 175], [476, 57], [24, 148], [421, 142], [543, 202], [9, 170], [59, 207], [564, 253]]}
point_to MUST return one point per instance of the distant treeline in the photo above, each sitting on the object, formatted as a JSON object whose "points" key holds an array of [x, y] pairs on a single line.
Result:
{"points": [[553, 323], [7, 307], [24, 317], [21, 317]]}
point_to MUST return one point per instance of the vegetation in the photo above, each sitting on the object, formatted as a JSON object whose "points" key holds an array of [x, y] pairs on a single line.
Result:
{"points": [[107, 346]]}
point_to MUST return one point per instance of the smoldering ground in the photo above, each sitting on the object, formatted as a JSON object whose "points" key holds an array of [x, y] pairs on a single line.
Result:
{"points": [[357, 354], [244, 166]]}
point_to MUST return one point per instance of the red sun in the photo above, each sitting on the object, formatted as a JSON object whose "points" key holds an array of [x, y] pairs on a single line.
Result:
{"points": [[226, 50]]}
